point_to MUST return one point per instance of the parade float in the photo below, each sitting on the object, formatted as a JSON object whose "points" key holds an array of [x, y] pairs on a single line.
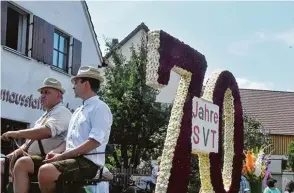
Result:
{"points": [[197, 123]]}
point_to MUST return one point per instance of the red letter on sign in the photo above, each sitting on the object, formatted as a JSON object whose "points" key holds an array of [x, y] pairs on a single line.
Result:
{"points": [[196, 131], [215, 117], [213, 132]]}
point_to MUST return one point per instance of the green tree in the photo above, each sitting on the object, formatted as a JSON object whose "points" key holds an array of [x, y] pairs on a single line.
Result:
{"points": [[291, 156], [138, 121], [194, 179], [254, 134]]}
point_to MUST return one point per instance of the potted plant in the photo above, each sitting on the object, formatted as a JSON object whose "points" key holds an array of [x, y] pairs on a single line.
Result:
{"points": [[255, 169]]}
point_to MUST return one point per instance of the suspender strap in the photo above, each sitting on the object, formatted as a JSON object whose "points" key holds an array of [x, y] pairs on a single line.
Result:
{"points": [[40, 141], [101, 173], [28, 145], [41, 148]]}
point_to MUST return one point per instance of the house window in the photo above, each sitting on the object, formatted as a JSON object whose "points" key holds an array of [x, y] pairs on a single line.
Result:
{"points": [[16, 29], [60, 52]]}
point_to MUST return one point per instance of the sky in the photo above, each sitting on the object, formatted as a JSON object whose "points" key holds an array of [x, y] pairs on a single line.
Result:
{"points": [[253, 40]]}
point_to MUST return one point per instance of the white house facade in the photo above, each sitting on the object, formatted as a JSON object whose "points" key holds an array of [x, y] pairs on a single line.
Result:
{"points": [[133, 39], [166, 94], [42, 39]]}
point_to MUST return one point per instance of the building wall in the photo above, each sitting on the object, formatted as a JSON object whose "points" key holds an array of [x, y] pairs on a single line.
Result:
{"points": [[69, 17], [134, 41], [283, 179], [125, 49], [23, 75], [166, 94], [280, 144]]}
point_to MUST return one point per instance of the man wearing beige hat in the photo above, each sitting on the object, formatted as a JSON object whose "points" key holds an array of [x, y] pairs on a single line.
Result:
{"points": [[88, 134], [48, 133]]}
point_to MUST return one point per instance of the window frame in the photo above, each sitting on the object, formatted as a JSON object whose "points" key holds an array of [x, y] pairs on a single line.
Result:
{"points": [[65, 54], [23, 29]]}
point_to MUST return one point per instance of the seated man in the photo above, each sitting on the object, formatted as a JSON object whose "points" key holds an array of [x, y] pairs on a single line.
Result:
{"points": [[88, 134], [48, 133]]}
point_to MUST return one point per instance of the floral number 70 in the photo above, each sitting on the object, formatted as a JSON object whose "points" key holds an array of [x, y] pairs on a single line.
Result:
{"points": [[166, 54]]}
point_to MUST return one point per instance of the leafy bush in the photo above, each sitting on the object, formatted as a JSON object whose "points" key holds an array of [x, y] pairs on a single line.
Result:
{"points": [[291, 155], [284, 164], [194, 183], [254, 134]]}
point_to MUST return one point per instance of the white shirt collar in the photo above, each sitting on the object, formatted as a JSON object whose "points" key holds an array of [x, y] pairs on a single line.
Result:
{"points": [[90, 100], [58, 104]]}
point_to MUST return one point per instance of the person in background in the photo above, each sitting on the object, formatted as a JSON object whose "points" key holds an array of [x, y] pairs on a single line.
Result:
{"points": [[103, 187], [48, 133], [289, 187], [271, 186], [154, 174], [88, 134], [244, 185]]}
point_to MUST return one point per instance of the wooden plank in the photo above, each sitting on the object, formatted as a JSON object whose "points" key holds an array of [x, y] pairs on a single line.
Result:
{"points": [[37, 39], [43, 32], [76, 56], [48, 43], [280, 144]]}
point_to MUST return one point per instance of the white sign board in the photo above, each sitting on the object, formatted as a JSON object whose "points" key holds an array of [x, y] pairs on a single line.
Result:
{"points": [[205, 123]]}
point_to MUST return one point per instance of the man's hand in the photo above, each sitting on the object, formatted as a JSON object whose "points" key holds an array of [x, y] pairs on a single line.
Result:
{"points": [[52, 157], [10, 135]]}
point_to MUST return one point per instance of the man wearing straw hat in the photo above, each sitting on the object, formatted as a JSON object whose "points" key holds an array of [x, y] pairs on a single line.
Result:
{"points": [[88, 134], [48, 133]]}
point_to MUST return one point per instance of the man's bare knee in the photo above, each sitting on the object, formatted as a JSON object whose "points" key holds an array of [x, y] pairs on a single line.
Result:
{"points": [[25, 164], [48, 173]]}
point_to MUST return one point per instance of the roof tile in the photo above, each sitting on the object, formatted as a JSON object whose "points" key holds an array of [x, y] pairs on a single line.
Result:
{"points": [[273, 109]]}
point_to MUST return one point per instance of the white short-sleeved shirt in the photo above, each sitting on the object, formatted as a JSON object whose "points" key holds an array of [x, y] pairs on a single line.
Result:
{"points": [[92, 120], [57, 120]]}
